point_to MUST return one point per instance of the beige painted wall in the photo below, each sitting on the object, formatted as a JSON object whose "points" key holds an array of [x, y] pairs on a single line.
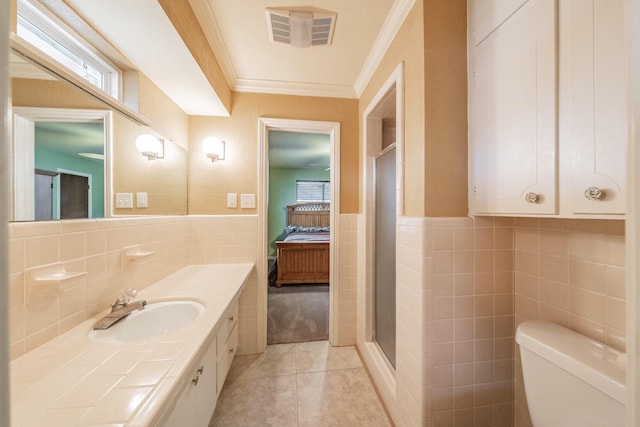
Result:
{"points": [[445, 64], [49, 94], [164, 180], [432, 45], [407, 48], [210, 182], [166, 117]]}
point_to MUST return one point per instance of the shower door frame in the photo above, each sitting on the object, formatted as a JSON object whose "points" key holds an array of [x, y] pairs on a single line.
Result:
{"points": [[376, 361]]}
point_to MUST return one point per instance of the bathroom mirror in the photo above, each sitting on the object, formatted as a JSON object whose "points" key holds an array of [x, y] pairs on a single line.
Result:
{"points": [[72, 154]]}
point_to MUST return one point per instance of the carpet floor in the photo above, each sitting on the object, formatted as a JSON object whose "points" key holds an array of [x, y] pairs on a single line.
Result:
{"points": [[298, 313]]}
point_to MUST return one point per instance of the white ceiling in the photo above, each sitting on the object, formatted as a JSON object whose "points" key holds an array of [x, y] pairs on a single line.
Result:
{"points": [[299, 150], [237, 32]]}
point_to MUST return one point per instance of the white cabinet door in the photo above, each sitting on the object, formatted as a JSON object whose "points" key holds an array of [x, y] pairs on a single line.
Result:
{"points": [[197, 400], [490, 14], [515, 143], [593, 104], [206, 393]]}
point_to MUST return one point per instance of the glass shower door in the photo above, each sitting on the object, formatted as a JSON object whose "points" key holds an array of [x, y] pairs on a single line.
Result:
{"points": [[385, 254]]}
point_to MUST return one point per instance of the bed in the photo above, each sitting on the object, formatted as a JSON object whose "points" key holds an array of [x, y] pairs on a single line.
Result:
{"points": [[303, 255]]}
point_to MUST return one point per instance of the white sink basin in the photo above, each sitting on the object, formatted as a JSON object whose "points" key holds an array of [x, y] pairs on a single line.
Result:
{"points": [[155, 319]]}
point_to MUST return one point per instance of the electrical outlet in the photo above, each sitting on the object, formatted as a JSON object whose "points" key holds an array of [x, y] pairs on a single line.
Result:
{"points": [[124, 200], [141, 200], [247, 201], [232, 200]]}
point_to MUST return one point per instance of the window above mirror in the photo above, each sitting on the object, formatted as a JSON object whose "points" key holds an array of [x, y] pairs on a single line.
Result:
{"points": [[44, 32]]}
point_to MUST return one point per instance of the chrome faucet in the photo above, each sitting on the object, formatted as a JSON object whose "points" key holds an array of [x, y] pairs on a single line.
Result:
{"points": [[120, 309], [124, 299]]}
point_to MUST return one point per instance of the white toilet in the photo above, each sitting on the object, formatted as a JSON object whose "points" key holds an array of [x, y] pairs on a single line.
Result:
{"points": [[570, 380]]}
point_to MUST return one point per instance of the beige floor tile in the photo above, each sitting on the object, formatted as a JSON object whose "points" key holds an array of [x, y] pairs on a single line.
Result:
{"points": [[276, 360], [330, 388], [338, 398], [320, 356], [257, 401]]}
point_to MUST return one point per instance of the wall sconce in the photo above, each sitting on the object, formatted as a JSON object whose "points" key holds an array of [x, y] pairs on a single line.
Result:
{"points": [[150, 146], [214, 148]]}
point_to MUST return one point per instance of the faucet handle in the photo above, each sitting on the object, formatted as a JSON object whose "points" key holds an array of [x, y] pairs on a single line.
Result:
{"points": [[128, 294]]}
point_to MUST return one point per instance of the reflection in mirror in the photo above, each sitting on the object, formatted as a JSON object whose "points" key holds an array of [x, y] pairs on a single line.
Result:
{"points": [[59, 163], [50, 114], [68, 159]]}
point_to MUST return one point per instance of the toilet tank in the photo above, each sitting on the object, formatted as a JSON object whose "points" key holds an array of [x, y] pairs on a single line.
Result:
{"points": [[570, 380]]}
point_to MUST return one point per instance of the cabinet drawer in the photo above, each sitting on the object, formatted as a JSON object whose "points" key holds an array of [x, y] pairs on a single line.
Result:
{"points": [[227, 322], [226, 357]]}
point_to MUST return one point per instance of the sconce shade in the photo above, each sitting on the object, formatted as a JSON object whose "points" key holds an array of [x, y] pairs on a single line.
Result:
{"points": [[149, 146], [214, 148]]}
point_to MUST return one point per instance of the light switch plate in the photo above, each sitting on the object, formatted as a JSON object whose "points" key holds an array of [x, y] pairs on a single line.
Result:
{"points": [[141, 200], [247, 201], [232, 200], [124, 200]]}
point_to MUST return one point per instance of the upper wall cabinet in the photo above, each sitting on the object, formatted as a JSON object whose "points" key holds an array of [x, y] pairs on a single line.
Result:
{"points": [[548, 108], [593, 110], [514, 152]]}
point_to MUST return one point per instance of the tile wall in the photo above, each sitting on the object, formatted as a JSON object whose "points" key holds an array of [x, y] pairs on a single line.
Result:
{"points": [[463, 284], [96, 246], [571, 272], [455, 322], [91, 246], [472, 322], [348, 278]]}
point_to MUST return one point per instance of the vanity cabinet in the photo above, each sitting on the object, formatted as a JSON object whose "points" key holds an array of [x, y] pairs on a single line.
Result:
{"points": [[227, 343], [196, 402], [548, 107]]}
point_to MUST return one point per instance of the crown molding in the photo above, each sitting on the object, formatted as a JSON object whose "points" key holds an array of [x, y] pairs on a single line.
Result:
{"points": [[390, 28], [291, 88], [206, 18]]}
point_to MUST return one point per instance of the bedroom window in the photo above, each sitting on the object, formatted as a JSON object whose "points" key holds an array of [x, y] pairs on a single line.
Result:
{"points": [[44, 32], [313, 191]]}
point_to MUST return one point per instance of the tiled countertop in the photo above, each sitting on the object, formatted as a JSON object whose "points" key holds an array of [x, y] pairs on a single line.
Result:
{"points": [[72, 381]]}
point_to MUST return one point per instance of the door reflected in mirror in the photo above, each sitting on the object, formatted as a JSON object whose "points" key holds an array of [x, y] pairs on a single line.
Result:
{"points": [[59, 165]]}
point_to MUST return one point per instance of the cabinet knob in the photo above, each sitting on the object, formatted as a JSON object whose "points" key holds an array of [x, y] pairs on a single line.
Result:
{"points": [[230, 318], [231, 350], [195, 380], [593, 193], [200, 370], [531, 198]]}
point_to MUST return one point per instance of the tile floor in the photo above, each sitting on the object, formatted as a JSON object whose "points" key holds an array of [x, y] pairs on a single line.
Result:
{"points": [[303, 384]]}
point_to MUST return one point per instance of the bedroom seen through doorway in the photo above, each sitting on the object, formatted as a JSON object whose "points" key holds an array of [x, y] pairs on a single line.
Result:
{"points": [[299, 213]]}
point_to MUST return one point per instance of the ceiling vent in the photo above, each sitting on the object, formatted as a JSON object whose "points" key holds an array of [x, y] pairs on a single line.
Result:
{"points": [[301, 27]]}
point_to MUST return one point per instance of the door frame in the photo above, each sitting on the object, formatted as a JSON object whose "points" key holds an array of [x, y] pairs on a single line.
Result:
{"points": [[379, 367], [305, 126]]}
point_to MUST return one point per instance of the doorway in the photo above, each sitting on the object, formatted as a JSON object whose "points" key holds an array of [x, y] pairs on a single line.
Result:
{"points": [[73, 195], [299, 237], [331, 131]]}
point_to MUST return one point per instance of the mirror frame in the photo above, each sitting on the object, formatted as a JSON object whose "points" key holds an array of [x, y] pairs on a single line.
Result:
{"points": [[22, 168]]}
